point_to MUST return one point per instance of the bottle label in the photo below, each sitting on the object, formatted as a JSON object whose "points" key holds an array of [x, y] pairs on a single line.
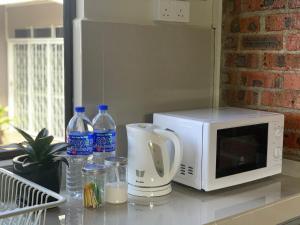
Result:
{"points": [[105, 141], [80, 144]]}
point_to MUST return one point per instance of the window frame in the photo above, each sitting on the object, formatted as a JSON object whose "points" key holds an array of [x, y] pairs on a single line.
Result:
{"points": [[69, 14]]}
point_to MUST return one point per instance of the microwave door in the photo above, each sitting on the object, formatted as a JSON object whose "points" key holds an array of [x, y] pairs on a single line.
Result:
{"points": [[234, 154], [241, 149]]}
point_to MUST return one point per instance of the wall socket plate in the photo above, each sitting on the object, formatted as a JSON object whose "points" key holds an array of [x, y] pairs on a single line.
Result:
{"points": [[163, 10], [172, 11], [181, 10]]}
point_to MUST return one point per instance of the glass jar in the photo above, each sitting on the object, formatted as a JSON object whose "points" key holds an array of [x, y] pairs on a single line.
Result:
{"points": [[116, 177], [94, 176]]}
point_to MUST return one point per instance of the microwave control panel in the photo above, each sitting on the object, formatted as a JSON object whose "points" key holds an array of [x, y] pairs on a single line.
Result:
{"points": [[277, 131]]}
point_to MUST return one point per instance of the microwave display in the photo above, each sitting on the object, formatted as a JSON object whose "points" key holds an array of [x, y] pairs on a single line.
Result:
{"points": [[241, 149]]}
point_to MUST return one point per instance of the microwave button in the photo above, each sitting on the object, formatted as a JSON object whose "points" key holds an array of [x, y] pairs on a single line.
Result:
{"points": [[277, 153], [278, 132]]}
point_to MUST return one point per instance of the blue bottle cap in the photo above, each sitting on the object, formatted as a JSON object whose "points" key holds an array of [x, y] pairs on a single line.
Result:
{"points": [[79, 109], [103, 107]]}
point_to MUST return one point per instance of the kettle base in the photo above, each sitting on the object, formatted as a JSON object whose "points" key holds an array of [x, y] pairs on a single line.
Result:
{"points": [[149, 191]]}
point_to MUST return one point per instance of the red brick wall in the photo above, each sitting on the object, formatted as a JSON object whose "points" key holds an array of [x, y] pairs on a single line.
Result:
{"points": [[261, 61]]}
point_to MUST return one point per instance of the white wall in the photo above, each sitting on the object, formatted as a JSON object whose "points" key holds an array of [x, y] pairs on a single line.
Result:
{"points": [[3, 60], [137, 66], [139, 11], [41, 15]]}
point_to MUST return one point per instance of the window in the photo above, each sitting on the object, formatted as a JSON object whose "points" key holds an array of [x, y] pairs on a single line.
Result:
{"points": [[37, 83]]}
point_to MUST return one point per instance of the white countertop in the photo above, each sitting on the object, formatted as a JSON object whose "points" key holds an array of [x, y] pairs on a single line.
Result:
{"points": [[183, 206]]}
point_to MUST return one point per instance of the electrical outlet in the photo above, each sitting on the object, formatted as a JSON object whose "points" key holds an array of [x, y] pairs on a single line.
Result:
{"points": [[181, 10], [172, 11], [164, 10]]}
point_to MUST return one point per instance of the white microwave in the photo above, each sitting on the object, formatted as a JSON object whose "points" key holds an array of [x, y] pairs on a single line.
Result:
{"points": [[226, 146]]}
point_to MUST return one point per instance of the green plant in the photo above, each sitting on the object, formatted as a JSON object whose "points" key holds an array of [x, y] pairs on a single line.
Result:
{"points": [[4, 119], [39, 151]]}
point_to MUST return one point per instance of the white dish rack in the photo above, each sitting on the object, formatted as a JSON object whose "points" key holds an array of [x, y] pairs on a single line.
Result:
{"points": [[23, 202]]}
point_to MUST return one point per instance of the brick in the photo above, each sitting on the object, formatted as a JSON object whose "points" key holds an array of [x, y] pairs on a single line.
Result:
{"points": [[281, 61], [250, 24], [235, 26], [232, 7], [267, 98], [241, 60], [294, 4], [293, 42], [293, 61], [252, 98], [245, 25], [230, 42], [240, 97], [291, 81], [291, 140], [230, 77], [274, 61], [261, 79], [262, 42], [288, 99], [292, 121], [258, 5], [265, 82], [285, 98], [229, 96], [278, 22], [247, 97]]}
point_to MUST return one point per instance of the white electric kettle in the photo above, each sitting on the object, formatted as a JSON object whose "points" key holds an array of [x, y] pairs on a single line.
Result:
{"points": [[154, 156]]}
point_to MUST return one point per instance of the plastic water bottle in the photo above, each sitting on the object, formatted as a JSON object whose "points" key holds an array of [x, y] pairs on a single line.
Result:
{"points": [[80, 137], [104, 135]]}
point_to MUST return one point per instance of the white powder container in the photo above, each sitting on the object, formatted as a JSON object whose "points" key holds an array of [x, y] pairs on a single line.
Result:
{"points": [[116, 180]]}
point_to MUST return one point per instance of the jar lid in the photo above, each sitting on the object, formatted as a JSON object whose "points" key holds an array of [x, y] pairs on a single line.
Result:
{"points": [[115, 161], [94, 168]]}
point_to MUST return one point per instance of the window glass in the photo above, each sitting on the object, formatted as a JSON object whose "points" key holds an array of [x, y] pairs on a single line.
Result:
{"points": [[32, 69], [241, 149]]}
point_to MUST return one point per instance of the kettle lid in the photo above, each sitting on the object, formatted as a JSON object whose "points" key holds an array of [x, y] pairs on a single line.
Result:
{"points": [[142, 126]]}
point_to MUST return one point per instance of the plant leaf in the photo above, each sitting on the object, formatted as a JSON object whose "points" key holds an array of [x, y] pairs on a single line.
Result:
{"points": [[31, 153], [25, 135], [43, 133], [41, 147], [58, 147], [39, 150], [25, 160], [61, 159], [26, 164]]}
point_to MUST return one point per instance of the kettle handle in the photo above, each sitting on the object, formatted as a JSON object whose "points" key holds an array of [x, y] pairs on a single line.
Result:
{"points": [[177, 149]]}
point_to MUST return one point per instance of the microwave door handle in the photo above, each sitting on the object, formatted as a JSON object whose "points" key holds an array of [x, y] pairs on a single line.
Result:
{"points": [[177, 149]]}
